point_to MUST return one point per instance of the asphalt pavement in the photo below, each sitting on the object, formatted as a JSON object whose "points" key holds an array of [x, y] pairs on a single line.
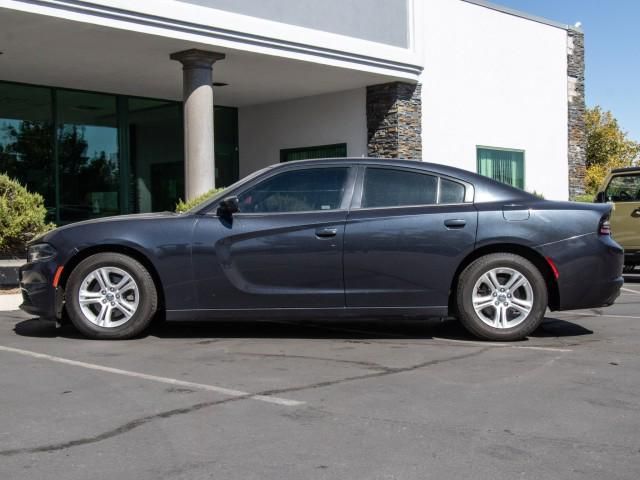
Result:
{"points": [[374, 399]]}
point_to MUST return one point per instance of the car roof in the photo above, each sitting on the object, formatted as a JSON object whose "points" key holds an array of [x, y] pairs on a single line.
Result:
{"points": [[626, 170]]}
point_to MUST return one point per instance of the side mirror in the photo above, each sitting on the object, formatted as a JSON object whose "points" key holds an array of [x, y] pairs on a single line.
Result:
{"points": [[228, 206], [601, 198]]}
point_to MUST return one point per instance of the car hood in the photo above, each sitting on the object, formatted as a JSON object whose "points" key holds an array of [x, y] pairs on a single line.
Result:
{"points": [[136, 217]]}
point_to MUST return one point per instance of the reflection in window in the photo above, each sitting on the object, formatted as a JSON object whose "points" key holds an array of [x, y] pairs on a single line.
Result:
{"points": [[26, 139], [385, 187], [156, 154], [297, 191], [87, 155]]}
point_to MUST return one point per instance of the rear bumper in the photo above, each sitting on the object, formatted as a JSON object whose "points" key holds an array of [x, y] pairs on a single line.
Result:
{"points": [[39, 297], [590, 271]]}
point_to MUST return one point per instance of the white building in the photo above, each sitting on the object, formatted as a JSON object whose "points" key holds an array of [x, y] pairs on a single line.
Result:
{"points": [[91, 91]]}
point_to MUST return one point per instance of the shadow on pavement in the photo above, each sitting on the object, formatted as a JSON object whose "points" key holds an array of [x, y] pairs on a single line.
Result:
{"points": [[316, 329]]}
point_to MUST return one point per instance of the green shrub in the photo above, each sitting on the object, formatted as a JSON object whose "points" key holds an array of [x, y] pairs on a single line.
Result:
{"points": [[22, 216], [183, 206], [587, 198]]}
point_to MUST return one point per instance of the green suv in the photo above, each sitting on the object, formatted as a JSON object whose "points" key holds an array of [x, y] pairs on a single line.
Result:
{"points": [[622, 188]]}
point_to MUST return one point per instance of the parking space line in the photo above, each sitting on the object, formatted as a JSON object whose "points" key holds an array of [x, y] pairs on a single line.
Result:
{"points": [[170, 381], [595, 315], [503, 345], [630, 290]]}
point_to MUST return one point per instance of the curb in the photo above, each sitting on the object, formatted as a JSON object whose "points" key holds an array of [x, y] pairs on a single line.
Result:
{"points": [[9, 272], [10, 303]]}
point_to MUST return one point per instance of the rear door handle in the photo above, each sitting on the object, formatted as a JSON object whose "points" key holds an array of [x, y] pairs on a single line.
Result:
{"points": [[326, 232], [636, 213], [455, 223]]}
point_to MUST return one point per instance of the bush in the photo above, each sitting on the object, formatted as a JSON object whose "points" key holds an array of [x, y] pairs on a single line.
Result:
{"points": [[183, 206], [22, 216], [586, 198]]}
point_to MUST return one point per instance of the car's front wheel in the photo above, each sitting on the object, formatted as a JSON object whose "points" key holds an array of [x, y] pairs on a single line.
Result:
{"points": [[501, 297], [110, 296]]}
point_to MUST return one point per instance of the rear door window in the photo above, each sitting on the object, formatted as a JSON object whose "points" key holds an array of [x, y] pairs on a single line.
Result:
{"points": [[386, 187]]}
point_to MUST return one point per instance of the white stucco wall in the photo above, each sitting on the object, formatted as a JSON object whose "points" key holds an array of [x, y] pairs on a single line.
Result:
{"points": [[497, 80], [264, 130]]}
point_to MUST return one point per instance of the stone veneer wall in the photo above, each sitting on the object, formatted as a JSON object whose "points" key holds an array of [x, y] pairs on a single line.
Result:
{"points": [[394, 120], [577, 136]]}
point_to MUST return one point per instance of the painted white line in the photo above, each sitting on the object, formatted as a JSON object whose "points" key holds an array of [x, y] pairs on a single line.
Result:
{"points": [[595, 315], [170, 381], [630, 290], [503, 345]]}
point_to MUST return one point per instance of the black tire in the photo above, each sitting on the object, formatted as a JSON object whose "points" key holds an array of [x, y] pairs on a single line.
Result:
{"points": [[464, 297], [147, 302]]}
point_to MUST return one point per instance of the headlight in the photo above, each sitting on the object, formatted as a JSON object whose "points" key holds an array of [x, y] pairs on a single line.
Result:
{"points": [[40, 252]]}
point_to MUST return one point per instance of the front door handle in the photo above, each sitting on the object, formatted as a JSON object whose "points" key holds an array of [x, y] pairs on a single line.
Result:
{"points": [[636, 213], [455, 223], [326, 232]]}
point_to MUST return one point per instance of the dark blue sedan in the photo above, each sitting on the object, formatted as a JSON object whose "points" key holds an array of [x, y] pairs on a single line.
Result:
{"points": [[329, 238]]}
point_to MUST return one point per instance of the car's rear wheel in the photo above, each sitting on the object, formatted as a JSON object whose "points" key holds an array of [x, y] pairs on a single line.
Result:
{"points": [[111, 296], [501, 297]]}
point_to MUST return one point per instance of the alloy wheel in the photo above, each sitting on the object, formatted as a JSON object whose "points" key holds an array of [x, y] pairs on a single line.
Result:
{"points": [[108, 297], [503, 298]]}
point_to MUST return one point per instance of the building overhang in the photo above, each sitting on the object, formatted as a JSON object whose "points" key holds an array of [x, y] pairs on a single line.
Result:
{"points": [[84, 45]]}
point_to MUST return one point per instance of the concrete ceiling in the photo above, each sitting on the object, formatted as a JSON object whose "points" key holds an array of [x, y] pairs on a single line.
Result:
{"points": [[49, 51]]}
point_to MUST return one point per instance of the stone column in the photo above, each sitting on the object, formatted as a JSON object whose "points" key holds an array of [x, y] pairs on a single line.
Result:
{"points": [[197, 91], [394, 120], [577, 141]]}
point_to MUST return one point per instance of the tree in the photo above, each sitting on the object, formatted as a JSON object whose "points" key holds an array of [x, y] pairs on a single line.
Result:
{"points": [[608, 147]]}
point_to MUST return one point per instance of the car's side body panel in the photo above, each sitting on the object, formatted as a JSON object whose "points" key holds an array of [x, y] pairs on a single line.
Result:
{"points": [[266, 261], [405, 256]]}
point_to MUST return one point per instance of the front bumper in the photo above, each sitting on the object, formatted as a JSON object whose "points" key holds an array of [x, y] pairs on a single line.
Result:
{"points": [[39, 296]]}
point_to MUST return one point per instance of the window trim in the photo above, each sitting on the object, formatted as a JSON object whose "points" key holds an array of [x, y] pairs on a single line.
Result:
{"points": [[356, 203], [212, 208], [285, 151], [502, 149]]}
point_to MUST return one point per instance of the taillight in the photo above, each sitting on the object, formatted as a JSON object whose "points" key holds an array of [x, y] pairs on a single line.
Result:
{"points": [[605, 226]]}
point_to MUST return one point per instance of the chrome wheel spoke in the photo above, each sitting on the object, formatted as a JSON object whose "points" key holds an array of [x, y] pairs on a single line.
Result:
{"points": [[521, 305], [480, 303], [127, 309], [102, 276]]}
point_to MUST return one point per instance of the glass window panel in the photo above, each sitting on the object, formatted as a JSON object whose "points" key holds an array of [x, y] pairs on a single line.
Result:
{"points": [[451, 192], [506, 166], [156, 153], [338, 150], [624, 188], [226, 145], [88, 156], [385, 187], [26, 139], [297, 191]]}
